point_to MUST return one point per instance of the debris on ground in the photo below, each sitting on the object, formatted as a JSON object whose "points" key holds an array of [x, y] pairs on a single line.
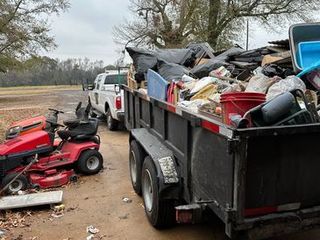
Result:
{"points": [[10, 220], [126, 200], [92, 229], [59, 208], [123, 217], [57, 215]]}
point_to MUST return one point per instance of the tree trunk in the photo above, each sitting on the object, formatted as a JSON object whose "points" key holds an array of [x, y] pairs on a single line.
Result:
{"points": [[213, 34]]}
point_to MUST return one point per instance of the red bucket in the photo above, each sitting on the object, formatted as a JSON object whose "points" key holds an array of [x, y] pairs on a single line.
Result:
{"points": [[238, 103]]}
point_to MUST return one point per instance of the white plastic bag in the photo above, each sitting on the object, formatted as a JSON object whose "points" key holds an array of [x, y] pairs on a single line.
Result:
{"points": [[192, 105], [285, 85], [260, 83]]}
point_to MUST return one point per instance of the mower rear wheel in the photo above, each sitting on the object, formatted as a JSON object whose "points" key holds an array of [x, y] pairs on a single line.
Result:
{"points": [[20, 184], [90, 162]]}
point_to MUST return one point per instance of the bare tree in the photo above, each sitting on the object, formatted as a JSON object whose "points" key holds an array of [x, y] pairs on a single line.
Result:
{"points": [[24, 28], [160, 23], [172, 23], [226, 17]]}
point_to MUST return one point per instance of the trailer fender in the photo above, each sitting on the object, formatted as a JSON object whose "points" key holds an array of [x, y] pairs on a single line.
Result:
{"points": [[164, 161]]}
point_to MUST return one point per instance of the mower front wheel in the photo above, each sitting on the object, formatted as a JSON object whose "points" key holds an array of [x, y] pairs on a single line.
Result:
{"points": [[90, 162], [19, 184]]}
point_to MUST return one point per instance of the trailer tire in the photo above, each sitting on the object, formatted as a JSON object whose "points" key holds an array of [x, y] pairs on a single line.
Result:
{"points": [[20, 184], [112, 123], [160, 213], [90, 162], [136, 157]]}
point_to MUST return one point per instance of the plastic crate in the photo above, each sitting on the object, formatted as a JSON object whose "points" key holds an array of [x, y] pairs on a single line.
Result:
{"points": [[157, 86], [308, 54], [298, 33]]}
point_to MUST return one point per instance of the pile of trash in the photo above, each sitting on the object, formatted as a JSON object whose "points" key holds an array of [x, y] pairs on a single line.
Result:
{"points": [[261, 87]]}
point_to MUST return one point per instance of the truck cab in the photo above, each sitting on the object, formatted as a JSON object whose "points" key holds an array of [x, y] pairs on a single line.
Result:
{"points": [[106, 97]]}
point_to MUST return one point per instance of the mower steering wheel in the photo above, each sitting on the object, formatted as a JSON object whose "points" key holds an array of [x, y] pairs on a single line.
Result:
{"points": [[54, 124], [56, 111]]}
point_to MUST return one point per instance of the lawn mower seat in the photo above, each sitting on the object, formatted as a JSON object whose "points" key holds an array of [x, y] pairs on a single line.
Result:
{"points": [[80, 131]]}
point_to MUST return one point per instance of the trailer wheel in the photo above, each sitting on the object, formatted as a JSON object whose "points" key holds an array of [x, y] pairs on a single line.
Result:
{"points": [[112, 124], [160, 213], [90, 162], [20, 184], [136, 157]]}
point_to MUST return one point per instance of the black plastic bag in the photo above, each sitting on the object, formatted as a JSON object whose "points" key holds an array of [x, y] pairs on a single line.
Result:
{"points": [[171, 71], [142, 61], [146, 59], [203, 70]]}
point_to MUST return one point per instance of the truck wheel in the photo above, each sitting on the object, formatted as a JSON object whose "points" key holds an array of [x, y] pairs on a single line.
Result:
{"points": [[160, 213], [91, 112], [112, 124], [136, 157], [90, 162], [20, 184]]}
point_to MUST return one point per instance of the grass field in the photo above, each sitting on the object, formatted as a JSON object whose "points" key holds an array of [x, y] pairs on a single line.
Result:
{"points": [[33, 90]]}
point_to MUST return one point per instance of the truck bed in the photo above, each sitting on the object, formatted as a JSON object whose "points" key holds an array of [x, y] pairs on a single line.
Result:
{"points": [[260, 181]]}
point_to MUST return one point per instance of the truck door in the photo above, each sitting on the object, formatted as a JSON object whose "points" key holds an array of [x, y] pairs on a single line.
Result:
{"points": [[107, 93], [96, 91]]}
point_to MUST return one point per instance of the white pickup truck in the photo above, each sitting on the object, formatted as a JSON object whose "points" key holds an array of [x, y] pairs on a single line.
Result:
{"points": [[106, 97]]}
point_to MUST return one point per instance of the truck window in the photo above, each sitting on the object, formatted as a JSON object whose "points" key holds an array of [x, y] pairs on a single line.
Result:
{"points": [[116, 79]]}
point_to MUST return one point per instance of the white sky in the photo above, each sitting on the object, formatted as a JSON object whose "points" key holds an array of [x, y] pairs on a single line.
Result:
{"points": [[85, 30]]}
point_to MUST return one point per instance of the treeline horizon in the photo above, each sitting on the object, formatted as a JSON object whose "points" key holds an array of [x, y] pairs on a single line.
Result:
{"points": [[42, 71]]}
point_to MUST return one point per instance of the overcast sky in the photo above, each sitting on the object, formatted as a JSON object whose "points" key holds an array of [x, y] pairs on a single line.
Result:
{"points": [[86, 30]]}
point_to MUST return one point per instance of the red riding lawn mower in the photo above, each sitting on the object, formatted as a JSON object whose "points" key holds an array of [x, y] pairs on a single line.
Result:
{"points": [[36, 160], [40, 122]]}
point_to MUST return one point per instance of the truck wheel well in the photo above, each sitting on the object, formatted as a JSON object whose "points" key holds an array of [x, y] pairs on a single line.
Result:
{"points": [[106, 107]]}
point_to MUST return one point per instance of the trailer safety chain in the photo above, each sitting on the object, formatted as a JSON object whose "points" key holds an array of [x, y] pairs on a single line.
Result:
{"points": [[35, 159]]}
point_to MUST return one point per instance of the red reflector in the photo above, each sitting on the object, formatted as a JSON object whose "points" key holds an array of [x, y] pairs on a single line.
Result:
{"points": [[118, 102], [252, 212], [184, 216], [171, 108], [210, 126]]}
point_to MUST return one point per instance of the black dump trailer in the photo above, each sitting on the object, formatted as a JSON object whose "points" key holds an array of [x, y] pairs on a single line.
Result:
{"points": [[261, 182]]}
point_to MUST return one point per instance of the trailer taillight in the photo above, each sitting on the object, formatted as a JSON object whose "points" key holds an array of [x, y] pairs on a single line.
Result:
{"points": [[118, 102]]}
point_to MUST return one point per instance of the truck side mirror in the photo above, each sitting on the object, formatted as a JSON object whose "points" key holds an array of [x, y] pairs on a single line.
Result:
{"points": [[90, 87]]}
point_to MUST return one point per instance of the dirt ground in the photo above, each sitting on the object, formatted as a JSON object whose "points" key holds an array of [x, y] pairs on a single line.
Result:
{"points": [[98, 200]]}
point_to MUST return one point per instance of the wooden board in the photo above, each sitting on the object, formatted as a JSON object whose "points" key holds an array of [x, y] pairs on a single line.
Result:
{"points": [[30, 200]]}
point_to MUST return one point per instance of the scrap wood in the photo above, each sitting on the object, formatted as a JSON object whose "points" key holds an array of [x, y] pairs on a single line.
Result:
{"points": [[10, 219]]}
